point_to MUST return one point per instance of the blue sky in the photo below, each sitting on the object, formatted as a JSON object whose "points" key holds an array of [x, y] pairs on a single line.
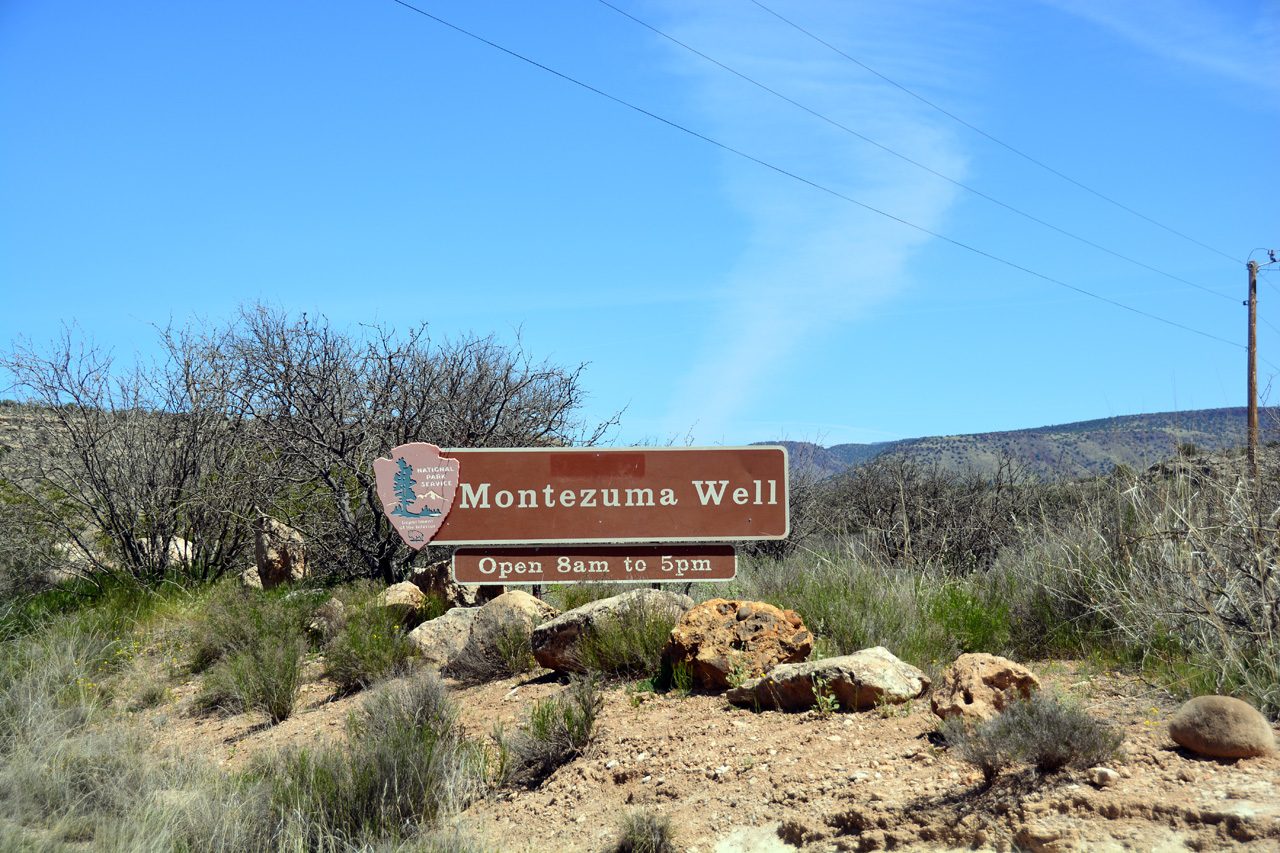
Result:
{"points": [[361, 160]]}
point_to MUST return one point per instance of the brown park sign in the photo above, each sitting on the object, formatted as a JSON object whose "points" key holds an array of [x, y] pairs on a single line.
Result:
{"points": [[577, 495], [625, 564]]}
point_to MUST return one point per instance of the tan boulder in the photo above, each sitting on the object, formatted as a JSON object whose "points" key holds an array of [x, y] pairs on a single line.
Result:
{"points": [[1222, 727], [437, 581], [721, 640], [980, 686], [250, 578], [405, 600], [439, 641], [279, 551], [860, 680], [556, 643], [491, 632]]}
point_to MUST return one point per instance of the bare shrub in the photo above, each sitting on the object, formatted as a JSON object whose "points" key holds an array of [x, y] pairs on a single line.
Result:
{"points": [[806, 497], [328, 401], [137, 468], [904, 511]]}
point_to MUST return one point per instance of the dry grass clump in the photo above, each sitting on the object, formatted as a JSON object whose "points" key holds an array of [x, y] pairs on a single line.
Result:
{"points": [[645, 832]]}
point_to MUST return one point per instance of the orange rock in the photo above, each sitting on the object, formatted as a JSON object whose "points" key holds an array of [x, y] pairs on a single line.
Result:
{"points": [[721, 640]]}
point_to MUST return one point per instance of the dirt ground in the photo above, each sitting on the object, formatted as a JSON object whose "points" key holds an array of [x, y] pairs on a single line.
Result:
{"points": [[734, 781]]}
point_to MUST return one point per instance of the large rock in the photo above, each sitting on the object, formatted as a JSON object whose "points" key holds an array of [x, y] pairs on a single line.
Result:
{"points": [[980, 686], [494, 624], [719, 640], [1222, 727], [442, 639], [436, 580], [328, 620], [860, 680], [556, 643], [279, 551], [405, 599]]}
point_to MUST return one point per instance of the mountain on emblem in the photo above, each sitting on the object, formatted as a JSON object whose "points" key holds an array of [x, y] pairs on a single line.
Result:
{"points": [[416, 487]]}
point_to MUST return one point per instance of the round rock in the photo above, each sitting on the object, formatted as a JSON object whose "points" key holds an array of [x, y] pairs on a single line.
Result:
{"points": [[1222, 727]]}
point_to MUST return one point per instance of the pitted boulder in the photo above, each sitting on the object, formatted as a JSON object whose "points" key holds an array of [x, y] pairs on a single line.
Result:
{"points": [[720, 638], [279, 552], [556, 644], [442, 639], [980, 686], [860, 680], [1222, 727]]}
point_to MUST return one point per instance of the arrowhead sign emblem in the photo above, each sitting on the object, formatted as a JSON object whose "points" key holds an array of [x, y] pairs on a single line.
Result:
{"points": [[416, 487]]}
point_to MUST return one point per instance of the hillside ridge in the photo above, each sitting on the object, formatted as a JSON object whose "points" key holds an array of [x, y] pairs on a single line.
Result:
{"points": [[1076, 449]]}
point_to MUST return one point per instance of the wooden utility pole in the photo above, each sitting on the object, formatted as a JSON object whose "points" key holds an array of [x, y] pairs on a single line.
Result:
{"points": [[1253, 368]]}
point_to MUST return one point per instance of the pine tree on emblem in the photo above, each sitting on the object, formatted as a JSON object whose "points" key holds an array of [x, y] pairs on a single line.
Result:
{"points": [[404, 484]]}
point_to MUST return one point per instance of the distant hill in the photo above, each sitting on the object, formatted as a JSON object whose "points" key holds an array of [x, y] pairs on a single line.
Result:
{"points": [[1074, 449]]}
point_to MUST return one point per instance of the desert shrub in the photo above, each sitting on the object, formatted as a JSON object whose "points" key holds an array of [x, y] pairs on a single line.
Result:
{"points": [[572, 596], [645, 832], [981, 746], [515, 649], [405, 765], [251, 645], [850, 602], [630, 643], [977, 623], [370, 646], [555, 732], [1042, 731], [263, 675], [233, 617]]}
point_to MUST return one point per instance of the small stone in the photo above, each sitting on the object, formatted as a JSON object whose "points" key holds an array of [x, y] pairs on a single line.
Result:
{"points": [[642, 756], [1102, 777], [1186, 774]]}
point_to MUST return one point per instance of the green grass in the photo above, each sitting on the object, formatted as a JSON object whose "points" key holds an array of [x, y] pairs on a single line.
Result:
{"points": [[372, 645]]}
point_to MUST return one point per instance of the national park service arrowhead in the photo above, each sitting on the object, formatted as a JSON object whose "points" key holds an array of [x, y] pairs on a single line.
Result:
{"points": [[416, 487]]}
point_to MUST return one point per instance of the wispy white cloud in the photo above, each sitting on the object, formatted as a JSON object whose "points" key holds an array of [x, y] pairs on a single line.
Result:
{"points": [[1236, 41], [814, 261]]}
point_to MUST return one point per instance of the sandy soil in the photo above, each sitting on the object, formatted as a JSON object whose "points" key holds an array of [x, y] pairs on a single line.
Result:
{"points": [[732, 780]]}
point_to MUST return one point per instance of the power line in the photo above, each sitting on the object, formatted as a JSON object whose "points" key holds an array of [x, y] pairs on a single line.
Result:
{"points": [[907, 159], [979, 130], [807, 181]]}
